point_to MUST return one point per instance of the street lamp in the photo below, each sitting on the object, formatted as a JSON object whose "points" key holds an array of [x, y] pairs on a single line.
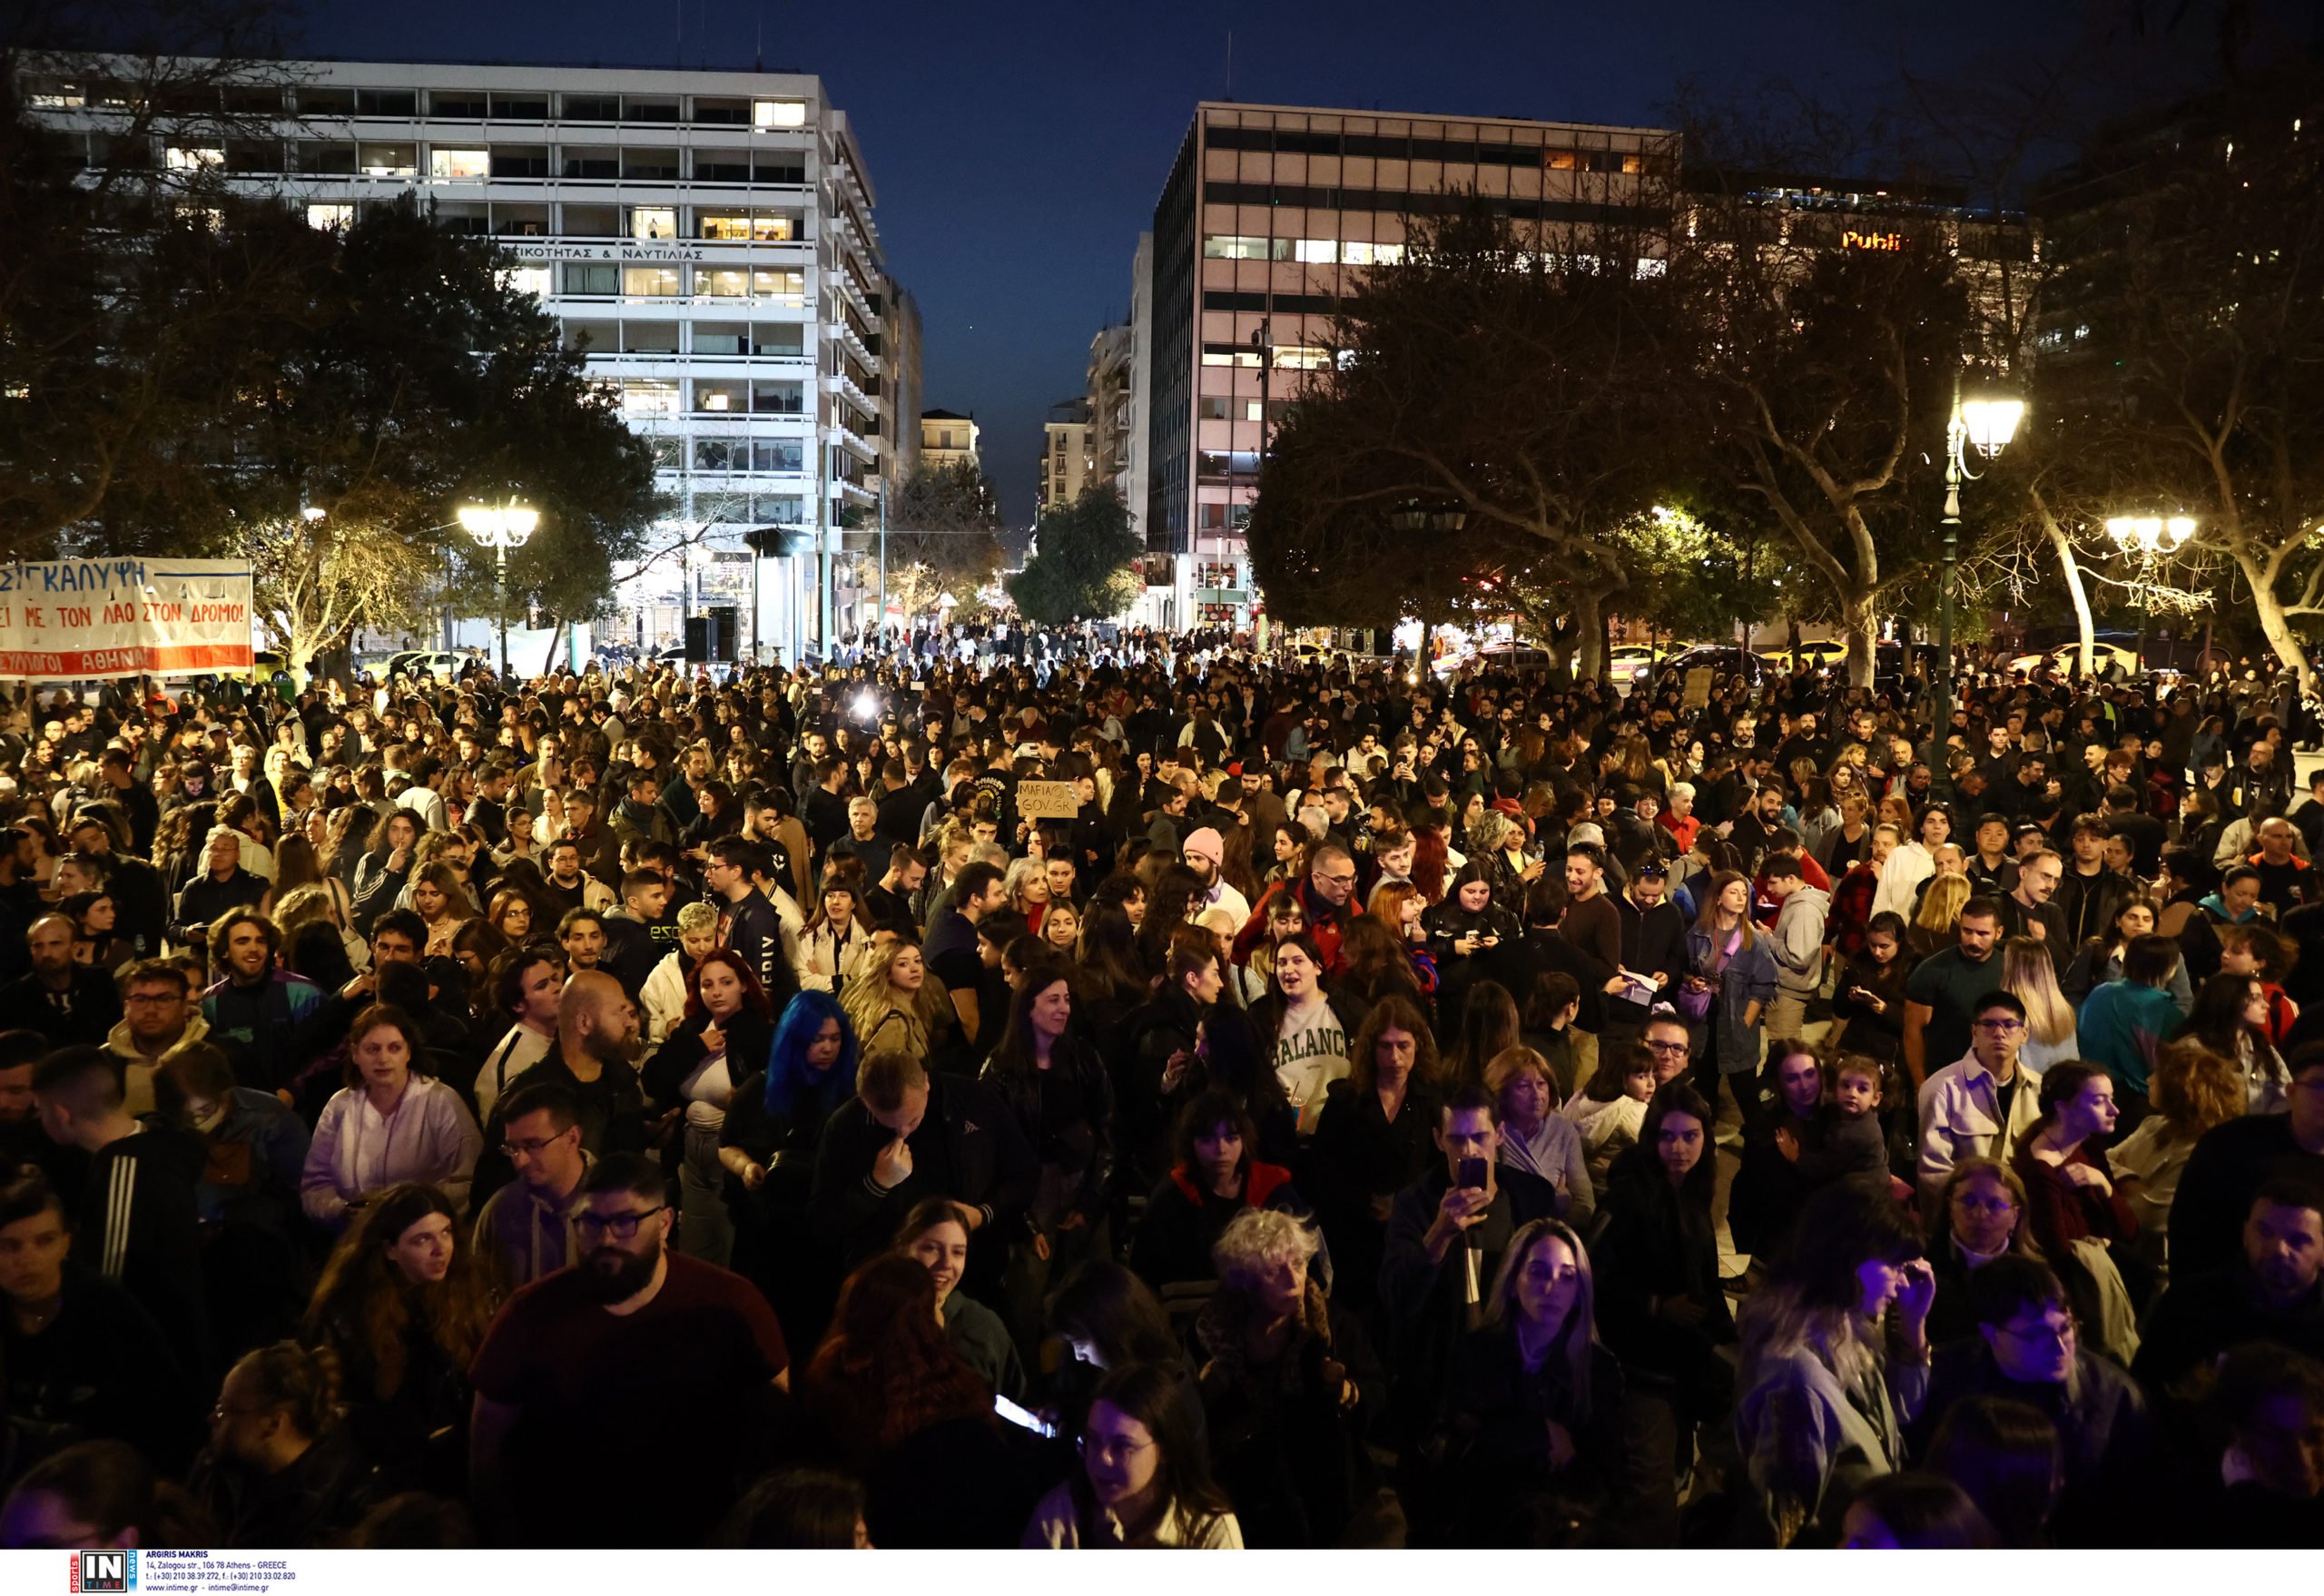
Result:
{"points": [[1984, 420], [2148, 540], [500, 527]]}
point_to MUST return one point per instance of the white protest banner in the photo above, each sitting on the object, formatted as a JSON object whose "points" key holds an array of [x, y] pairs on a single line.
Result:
{"points": [[76, 620]]}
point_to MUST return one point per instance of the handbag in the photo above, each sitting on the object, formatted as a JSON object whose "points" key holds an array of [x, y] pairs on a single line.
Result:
{"points": [[1694, 1002]]}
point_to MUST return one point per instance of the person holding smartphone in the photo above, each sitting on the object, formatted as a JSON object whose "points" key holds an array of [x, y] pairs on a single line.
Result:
{"points": [[1447, 1233]]}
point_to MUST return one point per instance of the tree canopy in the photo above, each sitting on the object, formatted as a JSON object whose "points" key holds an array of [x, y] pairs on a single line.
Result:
{"points": [[1080, 568]]}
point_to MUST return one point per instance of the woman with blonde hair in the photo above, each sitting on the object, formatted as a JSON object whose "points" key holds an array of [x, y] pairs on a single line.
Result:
{"points": [[894, 1007], [2026, 973], [2192, 1090], [1931, 930]]}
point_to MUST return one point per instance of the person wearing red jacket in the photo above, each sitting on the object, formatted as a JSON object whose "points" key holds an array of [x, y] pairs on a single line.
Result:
{"points": [[1328, 897]]}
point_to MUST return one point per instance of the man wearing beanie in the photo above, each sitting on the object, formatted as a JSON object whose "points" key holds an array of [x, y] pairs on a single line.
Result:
{"points": [[1205, 851]]}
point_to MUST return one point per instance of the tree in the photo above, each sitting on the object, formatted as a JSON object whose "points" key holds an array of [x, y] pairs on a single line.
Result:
{"points": [[392, 373], [1080, 568], [943, 526], [96, 331], [1825, 378], [1501, 378], [2184, 362]]}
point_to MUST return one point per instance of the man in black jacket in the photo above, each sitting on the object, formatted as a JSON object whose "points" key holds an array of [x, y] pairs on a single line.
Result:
{"points": [[137, 1219], [66, 1002], [1654, 945], [2234, 1160], [141, 899], [754, 929], [1446, 1233], [2274, 1292], [222, 886], [907, 1136]]}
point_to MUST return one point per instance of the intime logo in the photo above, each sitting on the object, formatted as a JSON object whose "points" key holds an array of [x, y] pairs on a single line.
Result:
{"points": [[103, 1571]]}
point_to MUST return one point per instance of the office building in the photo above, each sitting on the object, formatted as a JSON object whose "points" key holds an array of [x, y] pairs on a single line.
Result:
{"points": [[1270, 214], [707, 239]]}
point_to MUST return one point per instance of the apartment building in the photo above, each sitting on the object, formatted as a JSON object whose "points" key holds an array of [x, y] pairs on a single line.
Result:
{"points": [[947, 437], [1065, 454], [1270, 214], [706, 239]]}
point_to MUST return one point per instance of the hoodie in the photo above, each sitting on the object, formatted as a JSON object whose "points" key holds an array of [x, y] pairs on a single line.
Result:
{"points": [[137, 1074], [1797, 945]]}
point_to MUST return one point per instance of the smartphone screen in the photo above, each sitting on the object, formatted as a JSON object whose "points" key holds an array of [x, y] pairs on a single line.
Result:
{"points": [[1470, 1173], [1022, 1418]]}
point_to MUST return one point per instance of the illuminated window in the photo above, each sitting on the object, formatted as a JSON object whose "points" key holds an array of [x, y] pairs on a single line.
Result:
{"points": [[192, 157], [649, 397], [1317, 252], [1292, 357], [653, 222], [1561, 159], [779, 113], [1231, 247], [331, 218], [743, 227], [650, 283], [1229, 354], [473, 165], [527, 280]]}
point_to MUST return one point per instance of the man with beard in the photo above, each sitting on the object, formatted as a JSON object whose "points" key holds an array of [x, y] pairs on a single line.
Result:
{"points": [[1206, 855], [596, 1060], [65, 1002], [636, 1352]]}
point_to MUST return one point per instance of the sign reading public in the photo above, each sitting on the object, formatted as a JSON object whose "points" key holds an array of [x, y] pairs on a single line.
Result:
{"points": [[83, 620]]}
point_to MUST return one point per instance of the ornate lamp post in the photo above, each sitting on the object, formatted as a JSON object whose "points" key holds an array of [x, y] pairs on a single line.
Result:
{"points": [[1984, 421], [500, 527]]}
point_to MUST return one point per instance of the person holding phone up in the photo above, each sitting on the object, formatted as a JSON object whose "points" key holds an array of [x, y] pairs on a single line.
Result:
{"points": [[1446, 1233]]}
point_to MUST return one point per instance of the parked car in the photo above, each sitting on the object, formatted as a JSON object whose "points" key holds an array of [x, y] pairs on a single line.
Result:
{"points": [[1720, 657], [1632, 664], [2066, 658], [1522, 658], [1824, 653], [441, 663]]}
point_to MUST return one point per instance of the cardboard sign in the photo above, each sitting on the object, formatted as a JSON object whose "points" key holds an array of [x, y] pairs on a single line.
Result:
{"points": [[1047, 801], [1696, 693], [69, 620]]}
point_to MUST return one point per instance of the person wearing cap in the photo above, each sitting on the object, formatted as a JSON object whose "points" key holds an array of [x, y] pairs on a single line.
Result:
{"points": [[1654, 947], [1206, 854]]}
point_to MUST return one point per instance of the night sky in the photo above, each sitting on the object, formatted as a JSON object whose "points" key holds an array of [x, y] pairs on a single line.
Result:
{"points": [[1017, 149]]}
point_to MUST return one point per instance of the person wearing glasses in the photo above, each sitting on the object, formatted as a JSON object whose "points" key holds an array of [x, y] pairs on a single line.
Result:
{"points": [[1983, 1105], [1143, 1482], [636, 1352], [1324, 900], [2027, 1348], [526, 1230]]}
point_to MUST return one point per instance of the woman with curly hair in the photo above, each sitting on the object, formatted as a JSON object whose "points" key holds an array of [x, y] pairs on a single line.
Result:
{"points": [[1288, 1381], [403, 1307], [898, 1406], [2193, 1090], [895, 1008]]}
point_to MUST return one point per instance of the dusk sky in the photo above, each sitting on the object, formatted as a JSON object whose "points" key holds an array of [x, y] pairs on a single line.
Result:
{"points": [[1017, 149]]}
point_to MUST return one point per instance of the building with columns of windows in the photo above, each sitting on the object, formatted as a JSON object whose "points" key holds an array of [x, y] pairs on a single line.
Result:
{"points": [[1268, 215], [709, 235]]}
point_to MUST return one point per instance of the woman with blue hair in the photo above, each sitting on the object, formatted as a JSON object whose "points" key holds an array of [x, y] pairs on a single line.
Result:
{"points": [[773, 1126]]}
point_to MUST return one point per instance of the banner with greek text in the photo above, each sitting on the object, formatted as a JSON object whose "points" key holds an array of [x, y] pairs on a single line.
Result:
{"points": [[78, 620]]}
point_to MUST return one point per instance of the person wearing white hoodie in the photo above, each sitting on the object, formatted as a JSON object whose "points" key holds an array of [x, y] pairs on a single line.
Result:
{"points": [[1797, 945], [663, 996]]}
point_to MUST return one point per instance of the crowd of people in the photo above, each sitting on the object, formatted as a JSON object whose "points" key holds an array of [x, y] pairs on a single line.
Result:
{"points": [[1136, 1097]]}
